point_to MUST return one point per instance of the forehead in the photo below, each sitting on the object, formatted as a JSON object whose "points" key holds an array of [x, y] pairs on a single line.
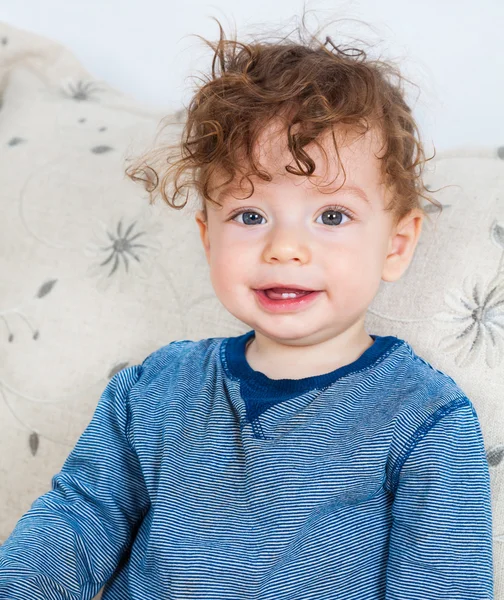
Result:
{"points": [[359, 157]]}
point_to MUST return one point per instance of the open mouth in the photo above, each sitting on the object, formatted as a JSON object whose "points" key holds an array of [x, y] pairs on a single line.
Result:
{"points": [[283, 294], [286, 300]]}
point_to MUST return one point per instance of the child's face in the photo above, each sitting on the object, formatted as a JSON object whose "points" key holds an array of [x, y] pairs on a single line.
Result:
{"points": [[291, 239]]}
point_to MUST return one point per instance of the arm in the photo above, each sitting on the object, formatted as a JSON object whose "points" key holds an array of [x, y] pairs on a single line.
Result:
{"points": [[441, 536], [71, 540]]}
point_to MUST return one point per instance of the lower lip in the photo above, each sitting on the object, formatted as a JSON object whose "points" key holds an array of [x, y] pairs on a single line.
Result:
{"points": [[287, 304]]}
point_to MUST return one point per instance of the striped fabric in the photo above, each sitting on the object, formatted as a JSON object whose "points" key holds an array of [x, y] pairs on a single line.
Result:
{"points": [[200, 478]]}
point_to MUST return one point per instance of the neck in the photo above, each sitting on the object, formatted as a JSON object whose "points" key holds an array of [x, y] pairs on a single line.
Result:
{"points": [[278, 360]]}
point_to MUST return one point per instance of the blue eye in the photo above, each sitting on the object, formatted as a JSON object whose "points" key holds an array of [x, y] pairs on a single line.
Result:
{"points": [[247, 221], [335, 213]]}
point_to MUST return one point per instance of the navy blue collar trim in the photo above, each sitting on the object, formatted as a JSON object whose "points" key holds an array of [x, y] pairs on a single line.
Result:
{"points": [[238, 367]]}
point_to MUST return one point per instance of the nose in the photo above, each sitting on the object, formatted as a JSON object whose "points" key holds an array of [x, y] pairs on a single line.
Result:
{"points": [[287, 243]]}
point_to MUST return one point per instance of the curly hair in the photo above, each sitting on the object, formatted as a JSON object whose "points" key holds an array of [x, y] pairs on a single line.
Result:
{"points": [[316, 86]]}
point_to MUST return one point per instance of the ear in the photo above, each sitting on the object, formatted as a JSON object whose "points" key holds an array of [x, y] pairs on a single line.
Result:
{"points": [[402, 244], [203, 230]]}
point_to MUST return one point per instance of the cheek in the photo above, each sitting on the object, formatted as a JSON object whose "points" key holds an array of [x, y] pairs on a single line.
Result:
{"points": [[232, 251], [354, 269], [229, 269]]}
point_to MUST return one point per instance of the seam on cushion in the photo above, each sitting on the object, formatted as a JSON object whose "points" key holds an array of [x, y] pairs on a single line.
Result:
{"points": [[422, 431]]}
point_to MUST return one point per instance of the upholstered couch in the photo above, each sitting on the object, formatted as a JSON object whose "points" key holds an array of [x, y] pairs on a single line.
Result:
{"points": [[80, 301]]}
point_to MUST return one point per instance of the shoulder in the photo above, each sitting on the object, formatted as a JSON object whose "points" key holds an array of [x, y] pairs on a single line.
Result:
{"points": [[408, 390], [174, 371], [425, 400], [426, 393], [179, 354], [179, 365]]}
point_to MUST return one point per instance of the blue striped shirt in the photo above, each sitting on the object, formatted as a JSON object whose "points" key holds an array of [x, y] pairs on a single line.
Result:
{"points": [[201, 478]]}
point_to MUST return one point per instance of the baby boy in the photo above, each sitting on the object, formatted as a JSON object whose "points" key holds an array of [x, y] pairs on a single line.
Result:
{"points": [[305, 459]]}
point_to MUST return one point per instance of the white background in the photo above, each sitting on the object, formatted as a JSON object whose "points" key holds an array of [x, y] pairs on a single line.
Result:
{"points": [[452, 49]]}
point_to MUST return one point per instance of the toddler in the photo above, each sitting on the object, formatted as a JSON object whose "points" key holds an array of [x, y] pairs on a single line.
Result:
{"points": [[305, 459]]}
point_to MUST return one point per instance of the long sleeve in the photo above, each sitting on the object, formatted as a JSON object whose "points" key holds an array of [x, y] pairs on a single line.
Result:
{"points": [[441, 536], [71, 540]]}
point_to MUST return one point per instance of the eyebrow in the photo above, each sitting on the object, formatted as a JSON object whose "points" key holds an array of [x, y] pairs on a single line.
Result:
{"points": [[356, 190], [229, 189]]}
